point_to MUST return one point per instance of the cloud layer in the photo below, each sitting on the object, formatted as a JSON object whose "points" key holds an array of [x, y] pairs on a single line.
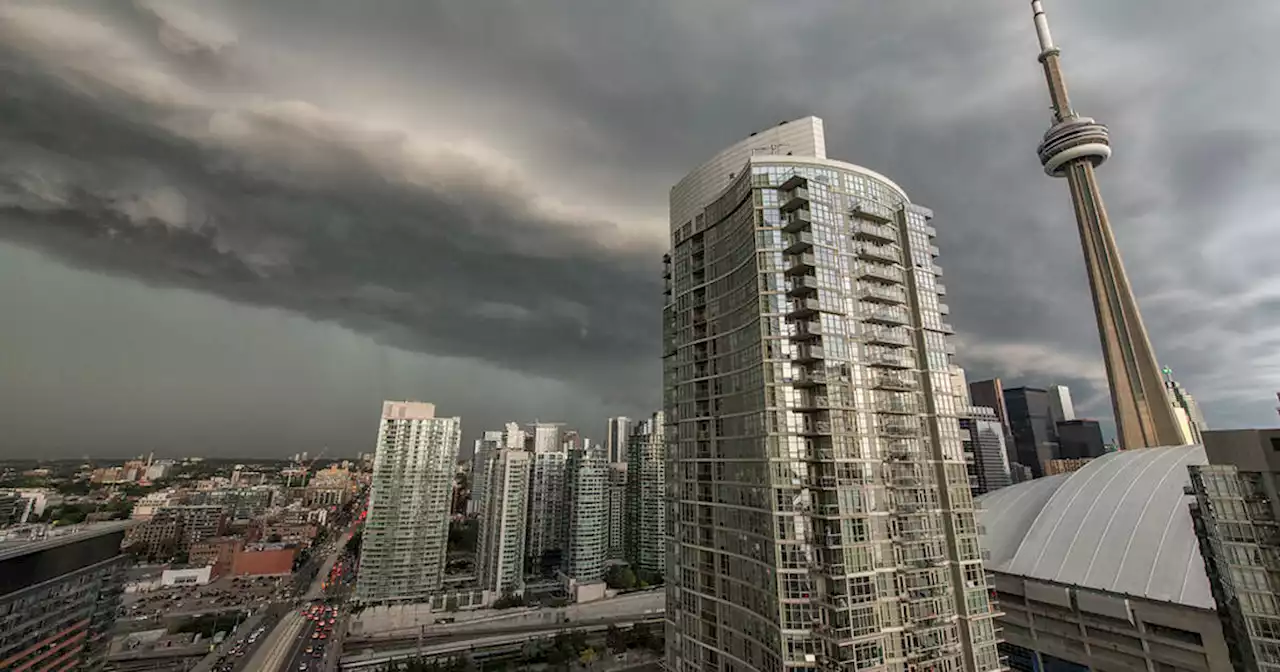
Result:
{"points": [[487, 181]]}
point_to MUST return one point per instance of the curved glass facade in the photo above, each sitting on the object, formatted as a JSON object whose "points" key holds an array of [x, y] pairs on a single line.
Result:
{"points": [[820, 510]]}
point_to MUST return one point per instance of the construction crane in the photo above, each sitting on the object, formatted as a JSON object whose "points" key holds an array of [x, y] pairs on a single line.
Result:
{"points": [[303, 465]]}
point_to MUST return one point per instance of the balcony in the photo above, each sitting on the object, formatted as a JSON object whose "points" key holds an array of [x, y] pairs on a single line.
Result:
{"points": [[898, 406], [803, 308], [887, 294], [889, 316], [890, 360], [871, 231], [797, 221], [801, 264], [815, 428], [880, 272], [810, 379], [889, 254], [800, 242], [937, 270], [795, 199], [811, 402], [805, 285], [794, 182], [899, 450], [895, 381], [897, 337], [899, 428], [940, 288], [871, 210], [946, 328], [807, 331], [807, 354]]}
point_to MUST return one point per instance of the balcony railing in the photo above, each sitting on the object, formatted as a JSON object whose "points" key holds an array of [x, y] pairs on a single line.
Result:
{"points": [[891, 316], [795, 199], [900, 337], [801, 264], [880, 272], [889, 381], [795, 222], [873, 231], [882, 293], [799, 242], [890, 254]]}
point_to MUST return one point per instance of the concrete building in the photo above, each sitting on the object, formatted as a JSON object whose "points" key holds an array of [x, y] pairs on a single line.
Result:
{"points": [[1060, 406], [985, 454], [548, 520], [616, 493], [616, 436], [59, 593], [1185, 409], [1073, 147], [406, 533], [1100, 569], [332, 486], [1031, 424], [503, 520], [587, 506], [1080, 439], [481, 451], [647, 500], [821, 507], [1237, 521]]}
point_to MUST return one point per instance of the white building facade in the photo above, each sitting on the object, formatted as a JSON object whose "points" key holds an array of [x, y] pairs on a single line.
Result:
{"points": [[503, 522], [407, 531]]}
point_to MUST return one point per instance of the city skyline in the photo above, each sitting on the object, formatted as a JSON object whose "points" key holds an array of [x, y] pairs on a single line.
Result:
{"points": [[516, 272]]}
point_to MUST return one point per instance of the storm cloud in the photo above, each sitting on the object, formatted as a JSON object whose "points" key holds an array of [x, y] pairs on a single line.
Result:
{"points": [[484, 184]]}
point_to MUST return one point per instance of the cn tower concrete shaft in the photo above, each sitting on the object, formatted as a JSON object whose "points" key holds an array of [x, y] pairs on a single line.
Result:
{"points": [[1073, 148]]}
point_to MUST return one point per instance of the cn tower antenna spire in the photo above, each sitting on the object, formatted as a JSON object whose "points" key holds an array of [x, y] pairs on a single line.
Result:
{"points": [[1073, 147]]}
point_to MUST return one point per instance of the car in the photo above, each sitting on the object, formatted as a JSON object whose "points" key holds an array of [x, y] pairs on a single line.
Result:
{"points": [[303, 666], [315, 635], [309, 649]]}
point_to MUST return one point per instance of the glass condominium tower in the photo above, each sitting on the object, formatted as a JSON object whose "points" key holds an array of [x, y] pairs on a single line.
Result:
{"points": [[820, 515]]}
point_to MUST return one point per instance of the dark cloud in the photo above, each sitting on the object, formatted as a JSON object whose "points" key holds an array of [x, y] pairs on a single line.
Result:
{"points": [[487, 180]]}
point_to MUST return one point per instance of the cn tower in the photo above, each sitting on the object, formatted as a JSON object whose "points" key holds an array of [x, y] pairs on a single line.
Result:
{"points": [[1073, 147]]}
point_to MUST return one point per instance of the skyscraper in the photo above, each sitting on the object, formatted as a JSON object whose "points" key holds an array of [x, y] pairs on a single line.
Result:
{"points": [[1072, 148], [1031, 424], [615, 441], [587, 508], [647, 501], [821, 512], [985, 451], [1060, 407], [1080, 439], [407, 532], [1190, 420], [548, 524], [503, 521], [617, 497]]}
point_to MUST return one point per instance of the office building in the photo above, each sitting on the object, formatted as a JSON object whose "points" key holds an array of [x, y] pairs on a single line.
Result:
{"points": [[503, 521], [587, 506], [986, 457], [1080, 439], [1099, 569], [616, 436], [1073, 147], [1185, 409], [406, 534], [1031, 424], [59, 593], [647, 499], [1060, 407], [1237, 521], [821, 508], [990, 393], [617, 497]]}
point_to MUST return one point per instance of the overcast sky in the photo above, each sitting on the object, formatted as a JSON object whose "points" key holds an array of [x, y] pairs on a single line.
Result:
{"points": [[233, 228]]}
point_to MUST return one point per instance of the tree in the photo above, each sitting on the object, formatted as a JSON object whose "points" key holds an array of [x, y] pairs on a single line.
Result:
{"points": [[587, 656], [615, 639], [620, 577]]}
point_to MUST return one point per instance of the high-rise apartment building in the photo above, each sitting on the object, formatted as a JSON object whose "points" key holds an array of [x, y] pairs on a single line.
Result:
{"points": [[587, 505], [482, 450], [548, 521], [617, 498], [503, 521], [59, 593], [1031, 424], [406, 534], [822, 516], [1060, 407], [615, 441], [648, 504], [1080, 439], [1185, 409], [1237, 521], [984, 450]]}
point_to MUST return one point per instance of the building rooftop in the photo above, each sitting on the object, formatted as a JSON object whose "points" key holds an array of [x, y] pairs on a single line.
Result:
{"points": [[35, 538], [1121, 524]]}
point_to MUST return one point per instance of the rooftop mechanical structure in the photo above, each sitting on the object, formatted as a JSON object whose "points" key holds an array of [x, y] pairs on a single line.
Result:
{"points": [[1073, 147]]}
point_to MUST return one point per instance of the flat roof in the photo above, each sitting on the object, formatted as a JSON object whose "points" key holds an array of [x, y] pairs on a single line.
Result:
{"points": [[55, 537]]}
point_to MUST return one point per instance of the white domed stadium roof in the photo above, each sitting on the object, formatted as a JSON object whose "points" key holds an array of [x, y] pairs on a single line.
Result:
{"points": [[1121, 524]]}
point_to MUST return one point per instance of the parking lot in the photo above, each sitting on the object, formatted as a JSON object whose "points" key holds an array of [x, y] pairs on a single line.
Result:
{"points": [[224, 594]]}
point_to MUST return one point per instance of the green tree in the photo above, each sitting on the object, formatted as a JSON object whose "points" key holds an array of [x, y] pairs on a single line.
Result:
{"points": [[620, 577], [587, 656]]}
